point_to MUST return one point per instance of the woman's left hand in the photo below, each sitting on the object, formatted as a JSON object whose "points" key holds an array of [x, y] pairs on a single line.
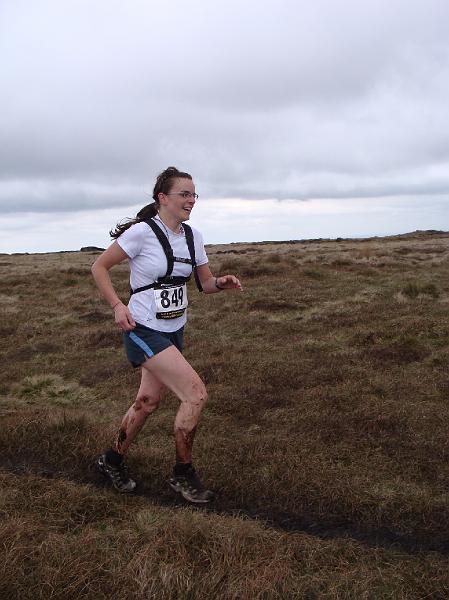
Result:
{"points": [[229, 282]]}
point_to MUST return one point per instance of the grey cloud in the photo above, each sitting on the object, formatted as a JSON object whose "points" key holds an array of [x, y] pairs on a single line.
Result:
{"points": [[40, 196], [257, 100], [71, 196]]}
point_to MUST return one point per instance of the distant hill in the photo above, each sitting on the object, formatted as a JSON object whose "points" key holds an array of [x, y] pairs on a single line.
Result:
{"points": [[91, 249]]}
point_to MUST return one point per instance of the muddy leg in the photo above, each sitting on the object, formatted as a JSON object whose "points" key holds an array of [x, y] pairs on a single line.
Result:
{"points": [[172, 369], [147, 401], [184, 443]]}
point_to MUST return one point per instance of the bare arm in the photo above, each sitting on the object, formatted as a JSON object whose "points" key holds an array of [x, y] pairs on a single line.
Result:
{"points": [[100, 271], [212, 284]]}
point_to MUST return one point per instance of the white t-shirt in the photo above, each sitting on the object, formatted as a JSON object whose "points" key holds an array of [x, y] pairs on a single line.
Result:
{"points": [[147, 262]]}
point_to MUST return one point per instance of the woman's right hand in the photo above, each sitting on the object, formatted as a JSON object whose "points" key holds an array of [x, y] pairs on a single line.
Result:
{"points": [[123, 317]]}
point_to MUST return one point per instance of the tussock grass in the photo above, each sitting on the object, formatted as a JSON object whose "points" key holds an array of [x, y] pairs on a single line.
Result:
{"points": [[325, 435], [414, 290], [149, 551]]}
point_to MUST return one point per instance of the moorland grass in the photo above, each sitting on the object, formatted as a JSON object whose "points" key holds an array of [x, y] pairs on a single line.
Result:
{"points": [[325, 435]]}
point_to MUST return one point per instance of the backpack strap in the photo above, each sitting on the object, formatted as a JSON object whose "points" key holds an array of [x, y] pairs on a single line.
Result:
{"points": [[191, 246], [165, 245]]}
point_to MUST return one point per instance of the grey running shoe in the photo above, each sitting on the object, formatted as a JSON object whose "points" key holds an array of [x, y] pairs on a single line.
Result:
{"points": [[118, 476], [190, 487]]}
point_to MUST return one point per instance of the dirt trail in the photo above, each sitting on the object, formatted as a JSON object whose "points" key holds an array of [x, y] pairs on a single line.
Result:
{"points": [[281, 520]]}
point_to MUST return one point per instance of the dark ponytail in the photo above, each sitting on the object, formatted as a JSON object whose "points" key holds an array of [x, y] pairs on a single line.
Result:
{"points": [[164, 183]]}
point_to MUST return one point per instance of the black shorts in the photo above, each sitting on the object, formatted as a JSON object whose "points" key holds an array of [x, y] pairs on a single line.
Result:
{"points": [[142, 343]]}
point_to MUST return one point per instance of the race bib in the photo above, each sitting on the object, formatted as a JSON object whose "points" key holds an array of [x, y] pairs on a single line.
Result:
{"points": [[171, 301]]}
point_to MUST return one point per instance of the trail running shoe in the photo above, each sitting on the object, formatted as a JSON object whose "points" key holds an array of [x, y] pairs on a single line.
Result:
{"points": [[118, 476], [190, 487]]}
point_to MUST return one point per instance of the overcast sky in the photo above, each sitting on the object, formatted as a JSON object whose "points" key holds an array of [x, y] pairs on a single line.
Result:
{"points": [[297, 119]]}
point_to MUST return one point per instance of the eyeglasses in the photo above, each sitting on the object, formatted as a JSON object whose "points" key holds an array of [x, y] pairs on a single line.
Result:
{"points": [[185, 195]]}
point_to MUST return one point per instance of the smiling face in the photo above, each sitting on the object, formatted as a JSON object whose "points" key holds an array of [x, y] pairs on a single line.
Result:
{"points": [[178, 203]]}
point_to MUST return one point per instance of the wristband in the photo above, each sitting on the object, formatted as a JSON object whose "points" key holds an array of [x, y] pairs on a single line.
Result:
{"points": [[217, 286], [116, 304]]}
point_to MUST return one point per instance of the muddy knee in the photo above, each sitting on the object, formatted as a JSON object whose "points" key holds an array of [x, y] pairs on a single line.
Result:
{"points": [[146, 403], [198, 396], [190, 410]]}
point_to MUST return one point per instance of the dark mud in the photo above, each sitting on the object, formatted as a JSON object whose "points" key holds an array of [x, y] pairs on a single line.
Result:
{"points": [[280, 520]]}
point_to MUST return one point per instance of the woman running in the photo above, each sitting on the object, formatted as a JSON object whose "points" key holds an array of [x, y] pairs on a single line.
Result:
{"points": [[162, 251]]}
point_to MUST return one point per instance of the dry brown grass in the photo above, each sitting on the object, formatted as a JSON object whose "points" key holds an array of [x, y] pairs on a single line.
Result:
{"points": [[325, 435]]}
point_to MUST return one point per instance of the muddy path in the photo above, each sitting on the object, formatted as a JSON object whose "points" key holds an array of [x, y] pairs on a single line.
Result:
{"points": [[279, 520]]}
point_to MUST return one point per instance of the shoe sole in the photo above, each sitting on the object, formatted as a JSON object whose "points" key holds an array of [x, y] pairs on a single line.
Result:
{"points": [[186, 496]]}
